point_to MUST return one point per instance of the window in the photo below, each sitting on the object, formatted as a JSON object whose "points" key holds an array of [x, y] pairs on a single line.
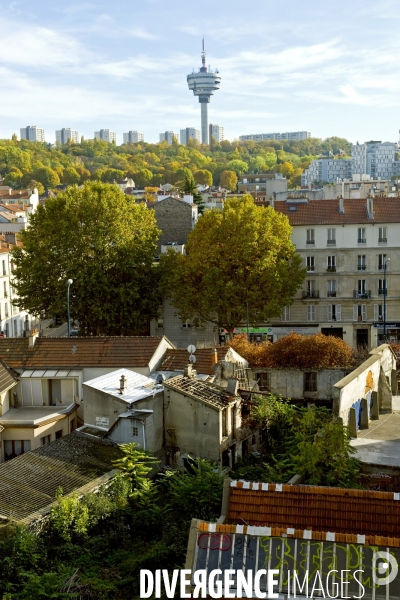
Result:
{"points": [[27, 323], [331, 285], [72, 426], [310, 262], [331, 237], [378, 312], [224, 422], [13, 448], [5, 289], [361, 239], [135, 431], [160, 322], [264, 381], [45, 440], [311, 237], [4, 267], [59, 434], [361, 262], [362, 286], [15, 322], [334, 312], [285, 313], [331, 263], [6, 309], [359, 312], [310, 381], [187, 323], [310, 290], [311, 311], [382, 262], [382, 239], [382, 287]]}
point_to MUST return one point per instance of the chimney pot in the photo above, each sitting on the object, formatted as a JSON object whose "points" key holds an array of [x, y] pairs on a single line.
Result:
{"points": [[32, 337], [122, 383]]}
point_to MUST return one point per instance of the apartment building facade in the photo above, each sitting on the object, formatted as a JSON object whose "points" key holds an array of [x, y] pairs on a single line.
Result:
{"points": [[374, 158], [105, 135], [351, 252], [189, 133], [169, 137], [217, 132], [31, 133], [327, 170], [133, 137], [65, 135], [287, 136]]}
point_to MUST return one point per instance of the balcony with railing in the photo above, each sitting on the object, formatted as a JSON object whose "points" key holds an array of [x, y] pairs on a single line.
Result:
{"points": [[362, 294], [361, 267], [382, 291], [331, 269], [331, 293], [311, 295], [310, 242], [382, 240], [331, 242], [362, 241]]}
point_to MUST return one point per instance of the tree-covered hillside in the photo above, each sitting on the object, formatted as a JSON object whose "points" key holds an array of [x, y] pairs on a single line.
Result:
{"points": [[26, 164]]}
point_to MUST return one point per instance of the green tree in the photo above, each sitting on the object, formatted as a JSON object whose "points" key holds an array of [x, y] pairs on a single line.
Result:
{"points": [[239, 257], [71, 176], [189, 187], [98, 237], [286, 169], [238, 166], [203, 177], [228, 180], [47, 177], [13, 179]]}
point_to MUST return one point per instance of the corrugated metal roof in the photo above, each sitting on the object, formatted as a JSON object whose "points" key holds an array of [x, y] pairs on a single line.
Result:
{"points": [[137, 386], [29, 483]]}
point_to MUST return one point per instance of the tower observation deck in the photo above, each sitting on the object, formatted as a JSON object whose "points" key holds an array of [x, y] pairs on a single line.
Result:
{"points": [[204, 83]]}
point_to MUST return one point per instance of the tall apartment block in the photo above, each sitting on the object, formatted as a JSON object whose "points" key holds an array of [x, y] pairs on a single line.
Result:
{"points": [[288, 136], [65, 135], [216, 132], [327, 170], [189, 133], [169, 136], [105, 135], [133, 137], [32, 133], [374, 158]]}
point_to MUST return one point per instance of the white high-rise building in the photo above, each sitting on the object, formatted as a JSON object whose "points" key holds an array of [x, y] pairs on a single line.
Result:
{"points": [[133, 137], [373, 158], [287, 136], [327, 170], [32, 133], [66, 134], [105, 135], [168, 136], [189, 133], [216, 132]]}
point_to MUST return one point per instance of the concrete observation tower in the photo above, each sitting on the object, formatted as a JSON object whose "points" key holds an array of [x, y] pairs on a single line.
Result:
{"points": [[204, 83]]}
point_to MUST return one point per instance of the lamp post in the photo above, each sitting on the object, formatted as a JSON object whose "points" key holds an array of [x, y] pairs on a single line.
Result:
{"points": [[69, 324], [384, 299]]}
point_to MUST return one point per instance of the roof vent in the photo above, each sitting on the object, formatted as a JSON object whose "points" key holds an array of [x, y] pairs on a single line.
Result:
{"points": [[122, 384]]}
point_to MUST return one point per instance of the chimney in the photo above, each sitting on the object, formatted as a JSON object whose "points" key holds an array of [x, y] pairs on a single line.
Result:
{"points": [[190, 372], [122, 384], [341, 205], [232, 386], [32, 337], [188, 198], [370, 207], [11, 238], [214, 357]]}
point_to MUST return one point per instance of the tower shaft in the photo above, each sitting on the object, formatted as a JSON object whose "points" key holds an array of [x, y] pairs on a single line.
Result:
{"points": [[204, 120]]}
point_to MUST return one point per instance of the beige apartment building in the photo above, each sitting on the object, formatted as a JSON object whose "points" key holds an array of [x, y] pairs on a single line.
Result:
{"points": [[345, 245]]}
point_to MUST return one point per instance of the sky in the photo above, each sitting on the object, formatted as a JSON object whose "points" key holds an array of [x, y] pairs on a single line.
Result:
{"points": [[330, 68]]}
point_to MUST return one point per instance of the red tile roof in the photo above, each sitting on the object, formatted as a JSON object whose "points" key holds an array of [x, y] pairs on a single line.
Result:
{"points": [[321, 212], [177, 360], [79, 352], [317, 508]]}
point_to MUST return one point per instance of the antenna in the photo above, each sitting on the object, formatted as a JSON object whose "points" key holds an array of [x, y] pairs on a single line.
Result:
{"points": [[191, 349], [203, 58]]}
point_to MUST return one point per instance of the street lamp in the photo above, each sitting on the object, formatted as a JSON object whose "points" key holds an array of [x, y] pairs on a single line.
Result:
{"points": [[384, 299], [69, 325]]}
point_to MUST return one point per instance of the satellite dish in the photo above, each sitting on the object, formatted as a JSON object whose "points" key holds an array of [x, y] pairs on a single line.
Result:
{"points": [[192, 358], [191, 349]]}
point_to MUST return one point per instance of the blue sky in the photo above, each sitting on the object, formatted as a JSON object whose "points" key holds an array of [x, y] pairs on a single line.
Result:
{"points": [[331, 68]]}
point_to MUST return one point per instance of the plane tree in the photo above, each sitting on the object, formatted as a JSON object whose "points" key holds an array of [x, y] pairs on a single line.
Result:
{"points": [[98, 237], [239, 260]]}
